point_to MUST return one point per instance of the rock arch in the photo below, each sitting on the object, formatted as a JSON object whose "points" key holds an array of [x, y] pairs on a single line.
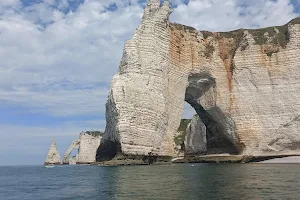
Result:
{"points": [[74, 146], [250, 102], [87, 145], [219, 129]]}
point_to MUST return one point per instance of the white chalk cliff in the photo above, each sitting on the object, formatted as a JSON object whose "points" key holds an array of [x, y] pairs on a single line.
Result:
{"points": [[53, 156], [87, 145], [244, 86]]}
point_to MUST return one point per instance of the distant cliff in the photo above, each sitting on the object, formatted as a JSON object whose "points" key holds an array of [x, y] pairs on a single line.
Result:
{"points": [[244, 86], [87, 145]]}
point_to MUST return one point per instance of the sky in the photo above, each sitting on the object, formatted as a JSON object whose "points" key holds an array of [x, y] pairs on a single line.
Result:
{"points": [[58, 58]]}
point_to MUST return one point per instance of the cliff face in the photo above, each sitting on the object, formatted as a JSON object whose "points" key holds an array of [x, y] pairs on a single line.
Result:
{"points": [[87, 146], [244, 86], [53, 156]]}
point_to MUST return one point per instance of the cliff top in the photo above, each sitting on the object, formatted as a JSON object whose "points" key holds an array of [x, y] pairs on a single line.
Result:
{"points": [[271, 38], [278, 34], [93, 133]]}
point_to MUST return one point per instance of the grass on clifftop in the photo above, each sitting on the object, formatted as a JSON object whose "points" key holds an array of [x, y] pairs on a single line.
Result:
{"points": [[277, 35], [94, 133], [271, 39], [295, 21], [175, 26]]}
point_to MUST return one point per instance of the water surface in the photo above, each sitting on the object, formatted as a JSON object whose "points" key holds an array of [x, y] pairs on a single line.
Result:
{"points": [[180, 181]]}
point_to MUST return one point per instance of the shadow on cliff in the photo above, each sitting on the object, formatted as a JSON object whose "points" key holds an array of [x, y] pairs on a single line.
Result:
{"points": [[220, 129], [107, 150]]}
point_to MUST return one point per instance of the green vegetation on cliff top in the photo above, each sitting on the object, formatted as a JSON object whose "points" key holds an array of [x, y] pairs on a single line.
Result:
{"points": [[274, 37], [94, 133]]}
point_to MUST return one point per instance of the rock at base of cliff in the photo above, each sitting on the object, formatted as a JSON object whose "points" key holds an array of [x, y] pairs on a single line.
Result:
{"points": [[195, 140]]}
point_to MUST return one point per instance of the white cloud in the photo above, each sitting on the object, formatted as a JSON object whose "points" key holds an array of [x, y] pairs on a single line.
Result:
{"points": [[81, 48], [6, 5], [41, 13], [9, 2], [220, 15], [62, 63]]}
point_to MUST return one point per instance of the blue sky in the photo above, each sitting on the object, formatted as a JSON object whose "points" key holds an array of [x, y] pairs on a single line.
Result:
{"points": [[58, 58]]}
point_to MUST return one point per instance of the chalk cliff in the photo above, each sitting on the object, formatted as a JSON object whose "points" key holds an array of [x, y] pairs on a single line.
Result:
{"points": [[243, 84], [86, 145], [53, 156]]}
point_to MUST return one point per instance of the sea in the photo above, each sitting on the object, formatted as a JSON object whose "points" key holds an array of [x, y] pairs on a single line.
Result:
{"points": [[176, 181]]}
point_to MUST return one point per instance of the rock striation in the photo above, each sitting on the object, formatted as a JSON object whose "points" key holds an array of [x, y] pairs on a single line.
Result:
{"points": [[86, 145], [244, 85], [53, 156]]}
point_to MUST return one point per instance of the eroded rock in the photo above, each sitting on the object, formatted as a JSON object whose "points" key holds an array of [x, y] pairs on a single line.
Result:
{"points": [[53, 156], [86, 145], [246, 88]]}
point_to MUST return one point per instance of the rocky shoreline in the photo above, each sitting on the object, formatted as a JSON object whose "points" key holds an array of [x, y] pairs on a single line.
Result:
{"points": [[229, 158], [218, 158]]}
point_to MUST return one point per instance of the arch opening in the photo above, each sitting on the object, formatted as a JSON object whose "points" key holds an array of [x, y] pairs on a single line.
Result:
{"points": [[74, 153], [71, 156], [210, 131]]}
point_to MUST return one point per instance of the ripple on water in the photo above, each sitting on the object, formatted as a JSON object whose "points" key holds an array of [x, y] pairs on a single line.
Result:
{"points": [[180, 181]]}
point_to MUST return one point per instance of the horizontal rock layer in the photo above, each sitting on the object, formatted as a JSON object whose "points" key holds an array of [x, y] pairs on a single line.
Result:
{"points": [[244, 85]]}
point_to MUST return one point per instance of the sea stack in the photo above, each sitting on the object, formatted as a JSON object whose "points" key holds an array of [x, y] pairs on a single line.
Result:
{"points": [[53, 156], [244, 85]]}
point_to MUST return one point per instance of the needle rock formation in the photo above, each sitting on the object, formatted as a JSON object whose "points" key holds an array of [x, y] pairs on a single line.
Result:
{"points": [[53, 156], [244, 86]]}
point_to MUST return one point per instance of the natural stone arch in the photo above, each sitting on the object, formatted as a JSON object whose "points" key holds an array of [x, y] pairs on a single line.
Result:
{"points": [[219, 129], [74, 146], [255, 77], [86, 146]]}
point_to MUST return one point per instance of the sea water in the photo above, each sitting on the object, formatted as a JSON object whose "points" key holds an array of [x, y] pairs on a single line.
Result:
{"points": [[178, 181]]}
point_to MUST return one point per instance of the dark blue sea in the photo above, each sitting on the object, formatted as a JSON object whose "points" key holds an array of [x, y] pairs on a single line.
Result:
{"points": [[178, 181]]}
